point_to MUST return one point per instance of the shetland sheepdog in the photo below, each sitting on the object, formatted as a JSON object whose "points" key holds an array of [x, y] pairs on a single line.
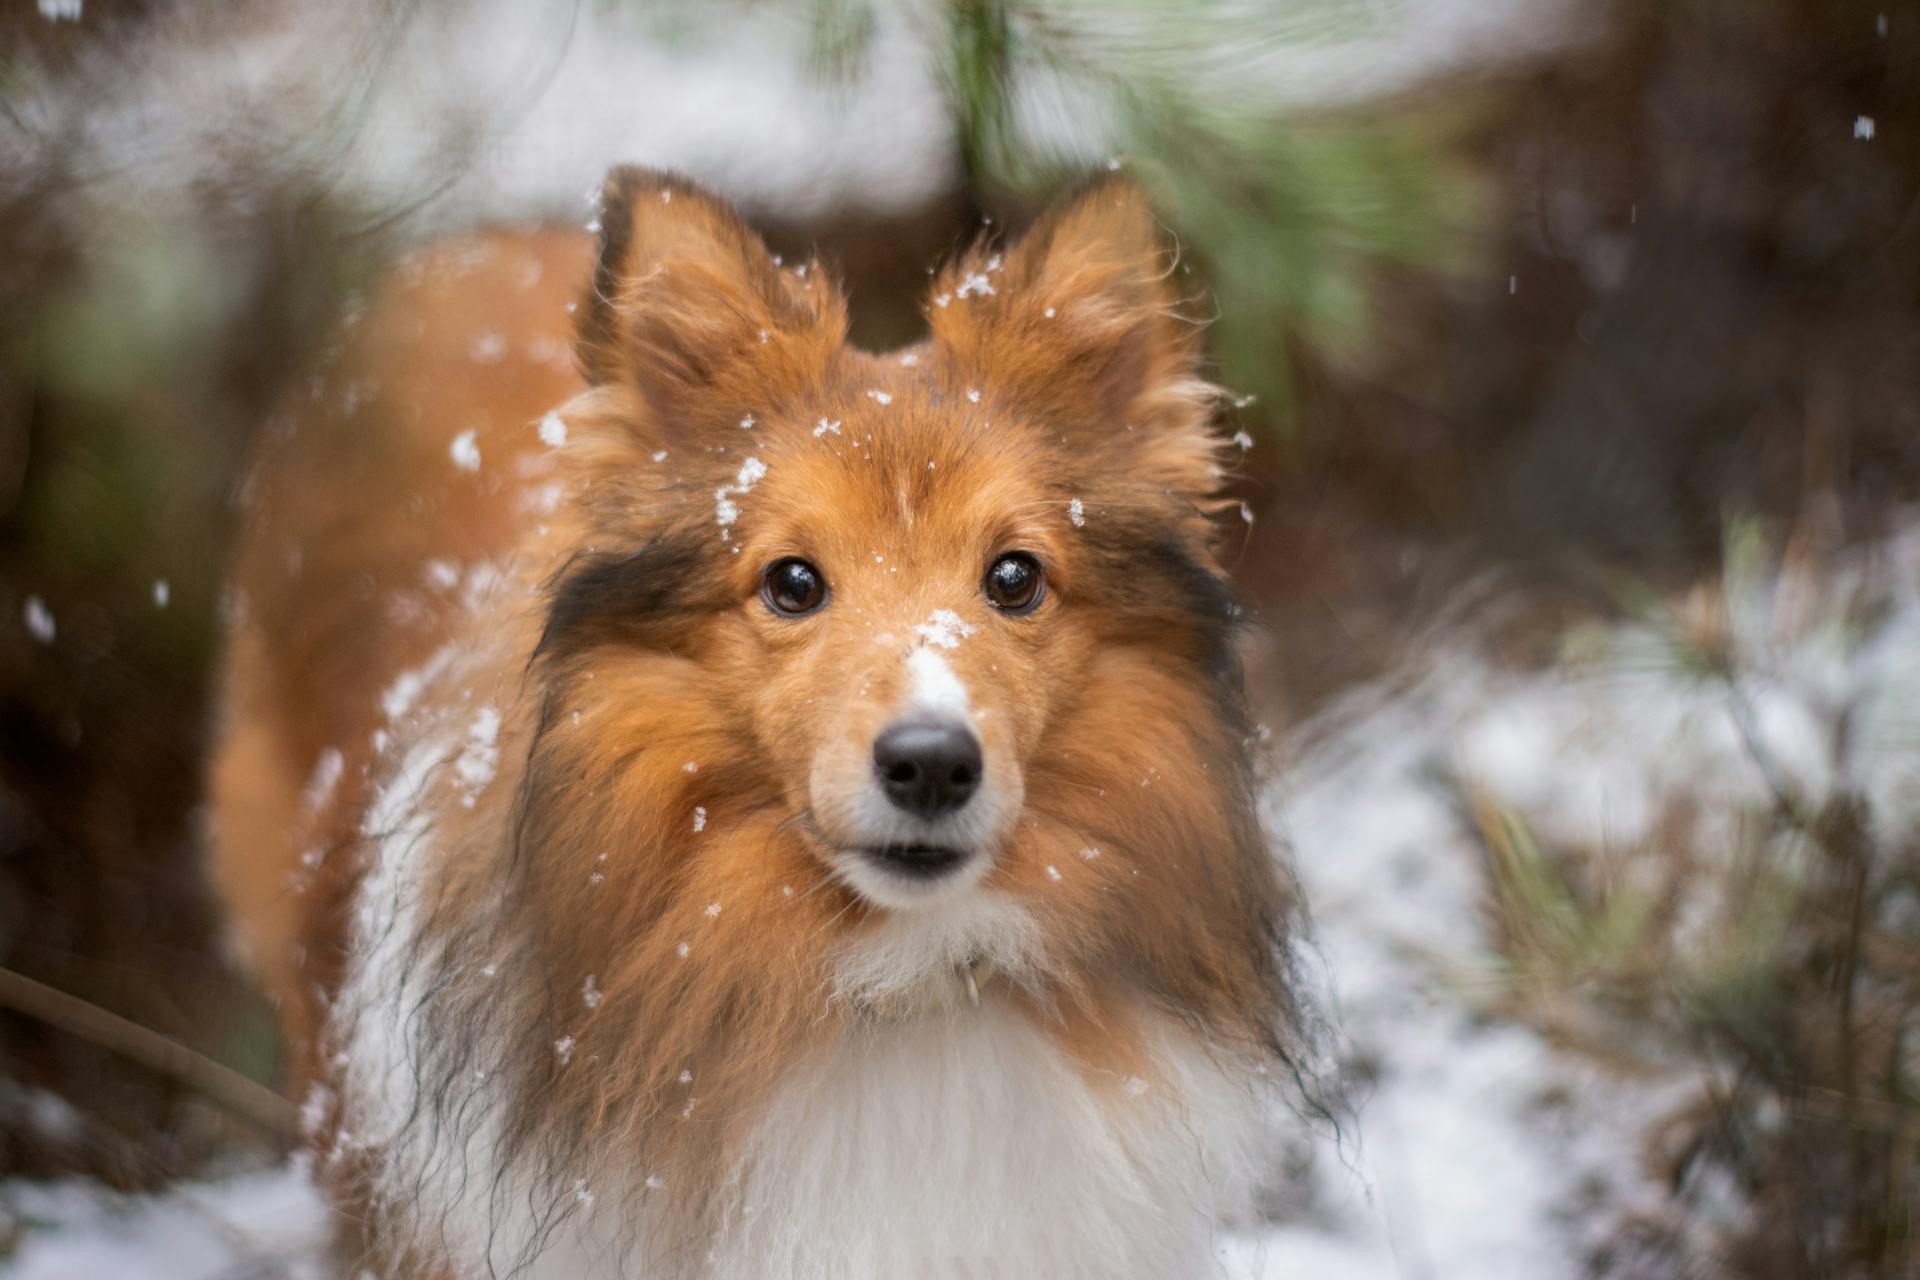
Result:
{"points": [[712, 801]]}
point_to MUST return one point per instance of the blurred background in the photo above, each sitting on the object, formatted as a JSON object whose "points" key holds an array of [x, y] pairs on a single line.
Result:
{"points": [[1575, 348]]}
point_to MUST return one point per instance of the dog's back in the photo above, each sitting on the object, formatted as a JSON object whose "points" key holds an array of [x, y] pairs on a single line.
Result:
{"points": [[385, 489]]}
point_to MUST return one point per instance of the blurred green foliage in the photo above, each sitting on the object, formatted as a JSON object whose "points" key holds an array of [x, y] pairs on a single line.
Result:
{"points": [[1291, 214]]}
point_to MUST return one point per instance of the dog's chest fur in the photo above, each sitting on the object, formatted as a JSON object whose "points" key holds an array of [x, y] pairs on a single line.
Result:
{"points": [[965, 1144]]}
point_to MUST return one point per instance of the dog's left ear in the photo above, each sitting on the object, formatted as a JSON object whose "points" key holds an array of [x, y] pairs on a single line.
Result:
{"points": [[1084, 321]]}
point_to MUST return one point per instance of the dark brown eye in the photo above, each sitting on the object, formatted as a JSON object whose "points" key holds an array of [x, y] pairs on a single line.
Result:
{"points": [[793, 587], [1014, 583]]}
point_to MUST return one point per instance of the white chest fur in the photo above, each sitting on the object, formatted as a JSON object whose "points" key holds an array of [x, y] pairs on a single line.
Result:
{"points": [[965, 1144]]}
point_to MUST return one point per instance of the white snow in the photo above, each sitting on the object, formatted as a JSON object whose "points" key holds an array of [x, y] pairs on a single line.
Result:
{"points": [[944, 628], [39, 619], [265, 1223], [553, 430], [725, 509], [481, 755], [465, 451], [324, 778]]}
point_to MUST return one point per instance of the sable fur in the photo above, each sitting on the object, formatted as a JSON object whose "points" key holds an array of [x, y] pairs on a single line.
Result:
{"points": [[550, 975]]}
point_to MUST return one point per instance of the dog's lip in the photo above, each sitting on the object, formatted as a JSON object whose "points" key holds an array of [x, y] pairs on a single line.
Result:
{"points": [[926, 860]]}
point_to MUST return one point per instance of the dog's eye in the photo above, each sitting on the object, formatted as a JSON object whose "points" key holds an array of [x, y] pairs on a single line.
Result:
{"points": [[793, 587], [1014, 583]]}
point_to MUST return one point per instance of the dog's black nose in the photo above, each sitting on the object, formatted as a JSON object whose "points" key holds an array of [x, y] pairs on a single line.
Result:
{"points": [[928, 767]]}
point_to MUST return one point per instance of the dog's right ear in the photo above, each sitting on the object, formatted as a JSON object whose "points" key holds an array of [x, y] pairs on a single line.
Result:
{"points": [[688, 307]]}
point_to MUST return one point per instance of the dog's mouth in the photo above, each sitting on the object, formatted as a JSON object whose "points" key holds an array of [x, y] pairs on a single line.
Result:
{"points": [[917, 861]]}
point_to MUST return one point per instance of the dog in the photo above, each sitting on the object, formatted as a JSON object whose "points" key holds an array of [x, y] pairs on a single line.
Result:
{"points": [[712, 801]]}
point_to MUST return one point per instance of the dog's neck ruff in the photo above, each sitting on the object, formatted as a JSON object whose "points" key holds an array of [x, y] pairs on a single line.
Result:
{"points": [[945, 1134]]}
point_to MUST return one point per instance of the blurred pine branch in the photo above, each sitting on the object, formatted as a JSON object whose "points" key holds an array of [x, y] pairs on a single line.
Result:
{"points": [[1290, 211]]}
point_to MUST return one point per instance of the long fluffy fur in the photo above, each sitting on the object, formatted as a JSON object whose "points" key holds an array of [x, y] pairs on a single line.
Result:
{"points": [[606, 1001]]}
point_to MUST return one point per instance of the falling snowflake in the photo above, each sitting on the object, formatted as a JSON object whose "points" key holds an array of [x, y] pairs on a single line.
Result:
{"points": [[38, 619]]}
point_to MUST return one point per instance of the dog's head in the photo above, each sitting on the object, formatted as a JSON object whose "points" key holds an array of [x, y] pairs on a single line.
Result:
{"points": [[916, 621]]}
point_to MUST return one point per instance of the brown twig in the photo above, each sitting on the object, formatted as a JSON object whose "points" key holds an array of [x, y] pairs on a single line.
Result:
{"points": [[225, 1086]]}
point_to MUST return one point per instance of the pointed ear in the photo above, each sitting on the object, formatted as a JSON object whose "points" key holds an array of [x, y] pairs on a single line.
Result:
{"points": [[1085, 319], [688, 306]]}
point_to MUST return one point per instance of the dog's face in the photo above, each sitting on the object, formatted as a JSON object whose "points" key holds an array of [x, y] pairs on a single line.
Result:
{"points": [[953, 610], [912, 611]]}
